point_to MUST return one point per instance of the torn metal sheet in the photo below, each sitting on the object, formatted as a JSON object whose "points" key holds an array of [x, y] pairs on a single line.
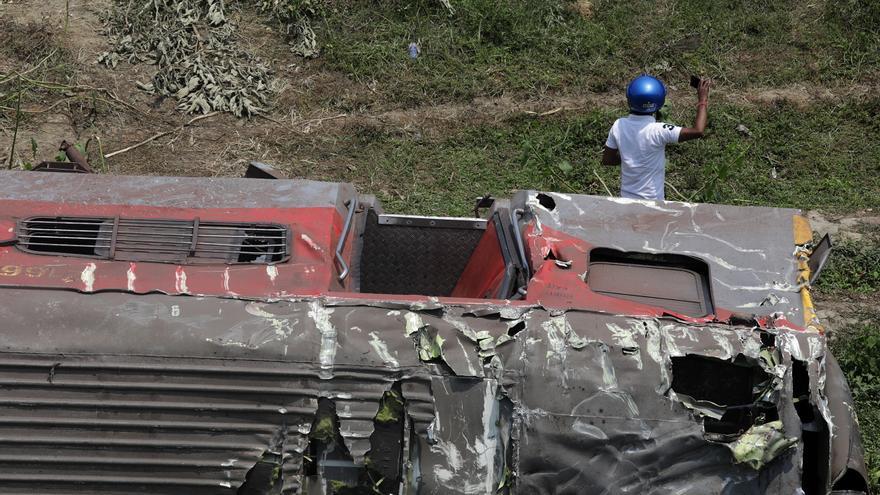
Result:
{"points": [[761, 444], [749, 248], [225, 380], [704, 372]]}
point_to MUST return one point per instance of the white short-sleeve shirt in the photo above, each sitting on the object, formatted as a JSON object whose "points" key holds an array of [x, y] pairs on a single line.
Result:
{"points": [[642, 142]]}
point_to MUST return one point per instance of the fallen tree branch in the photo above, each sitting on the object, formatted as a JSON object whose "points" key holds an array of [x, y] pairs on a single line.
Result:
{"points": [[163, 133]]}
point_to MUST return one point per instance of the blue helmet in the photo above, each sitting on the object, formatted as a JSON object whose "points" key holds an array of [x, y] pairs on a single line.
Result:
{"points": [[645, 94]]}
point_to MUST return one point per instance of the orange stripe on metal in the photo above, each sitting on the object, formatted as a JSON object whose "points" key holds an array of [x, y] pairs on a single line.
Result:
{"points": [[803, 232]]}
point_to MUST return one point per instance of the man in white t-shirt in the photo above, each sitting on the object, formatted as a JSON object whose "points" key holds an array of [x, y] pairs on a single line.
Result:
{"points": [[638, 142]]}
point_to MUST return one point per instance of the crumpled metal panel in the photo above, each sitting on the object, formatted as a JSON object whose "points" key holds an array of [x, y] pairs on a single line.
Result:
{"points": [[610, 426], [749, 249], [161, 394]]}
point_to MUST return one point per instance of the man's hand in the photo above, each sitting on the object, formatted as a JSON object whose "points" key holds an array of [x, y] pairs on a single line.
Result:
{"points": [[703, 90], [696, 132]]}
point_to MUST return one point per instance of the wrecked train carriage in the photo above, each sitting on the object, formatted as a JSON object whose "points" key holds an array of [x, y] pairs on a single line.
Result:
{"points": [[210, 336]]}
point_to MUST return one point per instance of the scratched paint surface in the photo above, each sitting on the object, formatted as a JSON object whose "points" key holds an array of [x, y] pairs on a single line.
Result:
{"points": [[221, 378], [163, 378]]}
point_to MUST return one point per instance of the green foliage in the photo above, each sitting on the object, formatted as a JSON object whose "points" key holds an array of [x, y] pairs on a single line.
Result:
{"points": [[390, 408], [857, 348], [719, 170], [487, 47], [854, 267], [820, 154], [324, 429]]}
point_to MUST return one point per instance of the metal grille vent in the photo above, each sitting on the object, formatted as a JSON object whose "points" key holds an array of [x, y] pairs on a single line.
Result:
{"points": [[168, 241]]}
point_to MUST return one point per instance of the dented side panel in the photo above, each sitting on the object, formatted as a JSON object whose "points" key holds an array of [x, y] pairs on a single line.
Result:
{"points": [[163, 394], [749, 249]]}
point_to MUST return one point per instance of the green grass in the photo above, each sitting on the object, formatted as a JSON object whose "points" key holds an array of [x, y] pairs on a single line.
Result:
{"points": [[821, 156], [488, 47], [858, 351], [853, 268]]}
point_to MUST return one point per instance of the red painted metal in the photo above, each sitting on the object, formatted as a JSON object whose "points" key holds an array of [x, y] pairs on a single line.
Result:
{"points": [[484, 271], [7, 230], [562, 285], [559, 264], [310, 270]]}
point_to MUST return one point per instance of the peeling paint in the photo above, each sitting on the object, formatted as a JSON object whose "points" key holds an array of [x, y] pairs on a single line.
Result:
{"points": [[556, 329], [88, 277], [272, 272], [609, 378], [180, 281], [130, 277], [321, 316], [760, 252], [654, 205], [471, 370], [381, 349], [625, 339], [413, 323], [312, 244], [723, 343]]}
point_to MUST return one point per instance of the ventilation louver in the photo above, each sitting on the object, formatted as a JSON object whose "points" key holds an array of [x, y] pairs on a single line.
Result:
{"points": [[166, 241]]}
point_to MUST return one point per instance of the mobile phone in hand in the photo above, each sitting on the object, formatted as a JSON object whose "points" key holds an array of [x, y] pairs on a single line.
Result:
{"points": [[695, 82]]}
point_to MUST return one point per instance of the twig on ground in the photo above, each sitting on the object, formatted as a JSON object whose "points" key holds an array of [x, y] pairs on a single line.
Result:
{"points": [[602, 182], [270, 119], [9, 77], [548, 112], [42, 110], [101, 154], [564, 182], [680, 195], [318, 121], [15, 132], [100, 150], [698, 191], [164, 133], [78, 88]]}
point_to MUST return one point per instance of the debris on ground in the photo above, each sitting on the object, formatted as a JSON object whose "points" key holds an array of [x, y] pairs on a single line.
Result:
{"points": [[742, 129], [196, 51], [295, 18]]}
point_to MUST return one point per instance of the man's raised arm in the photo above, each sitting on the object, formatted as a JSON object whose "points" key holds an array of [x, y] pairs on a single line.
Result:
{"points": [[696, 132]]}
